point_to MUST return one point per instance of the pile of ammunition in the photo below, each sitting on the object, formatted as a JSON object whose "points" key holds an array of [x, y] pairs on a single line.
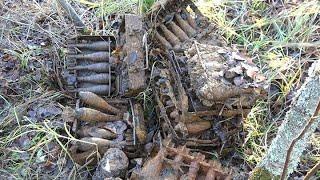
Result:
{"points": [[98, 131], [92, 63], [99, 69], [201, 89], [176, 29], [178, 25], [90, 115], [173, 106], [104, 126], [199, 128], [202, 82], [212, 80]]}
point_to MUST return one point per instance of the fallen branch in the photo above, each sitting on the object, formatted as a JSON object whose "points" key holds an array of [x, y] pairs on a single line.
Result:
{"points": [[300, 122], [312, 171], [72, 14], [299, 45], [294, 141]]}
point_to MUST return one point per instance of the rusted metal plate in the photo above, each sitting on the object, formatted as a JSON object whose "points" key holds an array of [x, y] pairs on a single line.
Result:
{"points": [[133, 75], [180, 163]]}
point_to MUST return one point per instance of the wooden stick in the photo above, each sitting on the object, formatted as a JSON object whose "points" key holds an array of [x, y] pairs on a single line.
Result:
{"points": [[312, 171], [294, 141], [72, 13]]}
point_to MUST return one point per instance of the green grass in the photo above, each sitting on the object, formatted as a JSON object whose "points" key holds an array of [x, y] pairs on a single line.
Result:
{"points": [[34, 136], [102, 9], [42, 134], [23, 56], [281, 40], [259, 130], [107, 7]]}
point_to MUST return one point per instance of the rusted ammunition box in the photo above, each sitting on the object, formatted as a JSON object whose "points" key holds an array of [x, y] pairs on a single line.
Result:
{"points": [[100, 66], [90, 61], [133, 67]]}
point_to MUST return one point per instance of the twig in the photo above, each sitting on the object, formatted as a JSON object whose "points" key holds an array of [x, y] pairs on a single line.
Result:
{"points": [[312, 171], [56, 69], [72, 13], [133, 122], [302, 45], [200, 58], [294, 141]]}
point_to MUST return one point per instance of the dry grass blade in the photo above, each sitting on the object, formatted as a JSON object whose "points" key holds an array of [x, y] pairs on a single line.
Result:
{"points": [[15, 113]]}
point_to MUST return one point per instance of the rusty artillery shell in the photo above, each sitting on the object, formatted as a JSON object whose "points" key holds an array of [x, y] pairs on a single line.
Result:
{"points": [[92, 115], [101, 143], [141, 129], [178, 31], [95, 46], [102, 78], [96, 57], [190, 20], [163, 41], [198, 126], [97, 89], [173, 39], [86, 131], [185, 25], [95, 101], [97, 67]]}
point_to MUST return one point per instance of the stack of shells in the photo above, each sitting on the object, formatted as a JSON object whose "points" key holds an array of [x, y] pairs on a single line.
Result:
{"points": [[104, 128], [176, 29], [93, 65]]}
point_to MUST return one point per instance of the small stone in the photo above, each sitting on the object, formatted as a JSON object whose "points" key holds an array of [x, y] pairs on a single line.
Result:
{"points": [[114, 164], [238, 81], [229, 74]]}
